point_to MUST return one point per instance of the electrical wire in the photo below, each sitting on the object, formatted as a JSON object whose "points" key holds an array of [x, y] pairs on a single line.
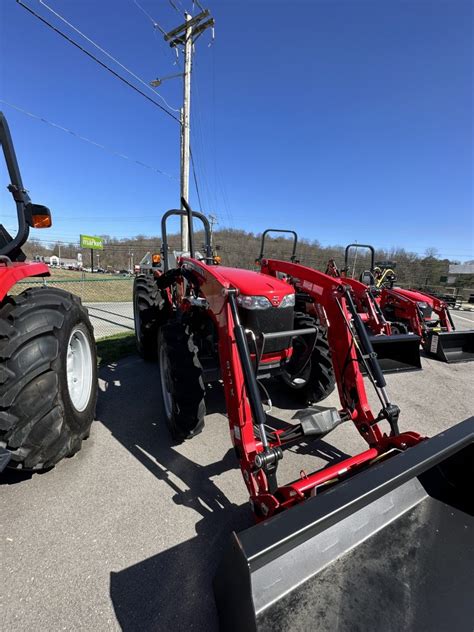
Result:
{"points": [[152, 20], [98, 61], [107, 54], [174, 6], [87, 140], [195, 179]]}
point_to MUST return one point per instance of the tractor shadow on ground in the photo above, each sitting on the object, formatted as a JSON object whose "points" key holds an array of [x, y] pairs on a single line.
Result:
{"points": [[173, 589], [11, 476]]}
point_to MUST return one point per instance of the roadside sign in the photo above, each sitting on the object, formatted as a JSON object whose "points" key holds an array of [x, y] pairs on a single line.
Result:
{"points": [[94, 243]]}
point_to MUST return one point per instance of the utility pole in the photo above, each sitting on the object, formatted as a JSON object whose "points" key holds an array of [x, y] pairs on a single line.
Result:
{"points": [[186, 35], [212, 221], [188, 51]]}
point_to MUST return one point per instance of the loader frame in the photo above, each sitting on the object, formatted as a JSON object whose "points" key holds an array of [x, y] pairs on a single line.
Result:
{"points": [[200, 285]]}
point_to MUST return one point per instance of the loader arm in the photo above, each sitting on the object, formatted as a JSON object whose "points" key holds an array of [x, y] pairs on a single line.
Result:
{"points": [[367, 304], [335, 297], [259, 449]]}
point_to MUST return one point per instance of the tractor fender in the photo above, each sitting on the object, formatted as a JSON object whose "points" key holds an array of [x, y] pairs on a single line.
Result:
{"points": [[11, 273]]}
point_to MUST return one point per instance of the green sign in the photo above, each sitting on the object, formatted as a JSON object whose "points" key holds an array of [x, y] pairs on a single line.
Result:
{"points": [[96, 243]]}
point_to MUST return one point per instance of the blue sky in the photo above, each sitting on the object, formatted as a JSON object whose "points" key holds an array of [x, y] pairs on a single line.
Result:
{"points": [[343, 120]]}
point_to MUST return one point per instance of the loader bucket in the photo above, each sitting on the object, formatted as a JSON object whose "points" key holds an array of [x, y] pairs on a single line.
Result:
{"points": [[400, 352], [391, 548], [451, 346]]}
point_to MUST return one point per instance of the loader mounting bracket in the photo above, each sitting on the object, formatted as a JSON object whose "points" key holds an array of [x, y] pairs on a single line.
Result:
{"points": [[390, 412]]}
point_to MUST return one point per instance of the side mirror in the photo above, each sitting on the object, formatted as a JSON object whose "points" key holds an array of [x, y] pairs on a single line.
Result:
{"points": [[38, 216]]}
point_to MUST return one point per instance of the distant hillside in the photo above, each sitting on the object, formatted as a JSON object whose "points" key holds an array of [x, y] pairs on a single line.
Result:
{"points": [[240, 248]]}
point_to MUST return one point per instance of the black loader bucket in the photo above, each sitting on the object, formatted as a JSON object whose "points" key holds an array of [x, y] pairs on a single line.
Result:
{"points": [[451, 346], [399, 352], [391, 548]]}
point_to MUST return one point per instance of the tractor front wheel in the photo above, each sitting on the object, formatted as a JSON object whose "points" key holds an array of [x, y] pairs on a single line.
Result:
{"points": [[48, 376], [181, 380], [398, 328], [316, 380]]}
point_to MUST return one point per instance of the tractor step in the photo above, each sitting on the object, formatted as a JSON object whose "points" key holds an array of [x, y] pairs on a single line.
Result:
{"points": [[317, 421], [399, 534]]}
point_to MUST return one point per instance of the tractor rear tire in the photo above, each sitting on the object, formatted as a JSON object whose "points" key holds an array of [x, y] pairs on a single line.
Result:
{"points": [[148, 305], [181, 379], [48, 377], [316, 381]]}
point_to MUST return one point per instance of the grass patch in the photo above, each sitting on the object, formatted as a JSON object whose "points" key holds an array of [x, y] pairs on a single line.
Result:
{"points": [[100, 289], [114, 347]]}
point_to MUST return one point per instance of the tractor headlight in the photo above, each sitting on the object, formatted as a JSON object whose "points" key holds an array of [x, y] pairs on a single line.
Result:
{"points": [[253, 302], [288, 301], [422, 305]]}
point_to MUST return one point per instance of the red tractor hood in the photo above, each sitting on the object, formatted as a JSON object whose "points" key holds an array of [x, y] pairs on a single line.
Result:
{"points": [[418, 297], [256, 284]]}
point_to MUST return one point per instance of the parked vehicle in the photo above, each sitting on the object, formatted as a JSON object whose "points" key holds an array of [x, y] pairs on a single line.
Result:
{"points": [[48, 367], [203, 322]]}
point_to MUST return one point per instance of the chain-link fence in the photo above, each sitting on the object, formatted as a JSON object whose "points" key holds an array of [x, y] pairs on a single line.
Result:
{"points": [[109, 300]]}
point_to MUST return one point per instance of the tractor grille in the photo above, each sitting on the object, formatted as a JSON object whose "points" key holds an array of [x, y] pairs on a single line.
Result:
{"points": [[269, 320]]}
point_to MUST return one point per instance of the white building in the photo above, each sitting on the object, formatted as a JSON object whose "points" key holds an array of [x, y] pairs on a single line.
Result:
{"points": [[455, 269]]}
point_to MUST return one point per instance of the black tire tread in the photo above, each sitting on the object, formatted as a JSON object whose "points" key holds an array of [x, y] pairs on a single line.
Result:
{"points": [[33, 424], [403, 328], [322, 381], [188, 390], [150, 304]]}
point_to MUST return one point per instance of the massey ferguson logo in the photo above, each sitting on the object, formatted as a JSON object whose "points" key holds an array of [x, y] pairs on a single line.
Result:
{"points": [[276, 300]]}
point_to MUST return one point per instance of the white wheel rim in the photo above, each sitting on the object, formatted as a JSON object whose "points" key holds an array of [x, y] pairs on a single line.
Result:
{"points": [[79, 369], [165, 381]]}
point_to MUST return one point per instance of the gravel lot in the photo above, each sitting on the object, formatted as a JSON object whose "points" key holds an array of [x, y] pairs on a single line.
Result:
{"points": [[126, 535]]}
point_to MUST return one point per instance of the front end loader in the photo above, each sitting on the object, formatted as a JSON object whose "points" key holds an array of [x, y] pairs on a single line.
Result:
{"points": [[429, 317], [396, 349], [358, 518], [48, 366], [425, 315]]}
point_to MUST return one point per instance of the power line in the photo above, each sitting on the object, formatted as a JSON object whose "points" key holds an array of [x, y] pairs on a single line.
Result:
{"points": [[174, 6], [87, 140], [195, 180], [152, 20], [98, 61], [102, 50]]}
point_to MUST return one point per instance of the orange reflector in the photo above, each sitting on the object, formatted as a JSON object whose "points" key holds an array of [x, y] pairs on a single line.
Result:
{"points": [[42, 221], [156, 259], [217, 260]]}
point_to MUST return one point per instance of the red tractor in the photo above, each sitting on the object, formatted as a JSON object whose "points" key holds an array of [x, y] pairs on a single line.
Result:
{"points": [[48, 367], [208, 322], [417, 312], [396, 349]]}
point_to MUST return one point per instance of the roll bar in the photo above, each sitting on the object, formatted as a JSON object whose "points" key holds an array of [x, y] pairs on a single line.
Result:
{"points": [[187, 211], [367, 247], [278, 230], [21, 197]]}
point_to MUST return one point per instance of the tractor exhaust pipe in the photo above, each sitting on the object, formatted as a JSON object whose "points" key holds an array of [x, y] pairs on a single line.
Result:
{"points": [[385, 537]]}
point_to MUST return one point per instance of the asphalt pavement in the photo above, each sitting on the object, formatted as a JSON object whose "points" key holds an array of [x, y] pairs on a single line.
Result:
{"points": [[127, 534]]}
